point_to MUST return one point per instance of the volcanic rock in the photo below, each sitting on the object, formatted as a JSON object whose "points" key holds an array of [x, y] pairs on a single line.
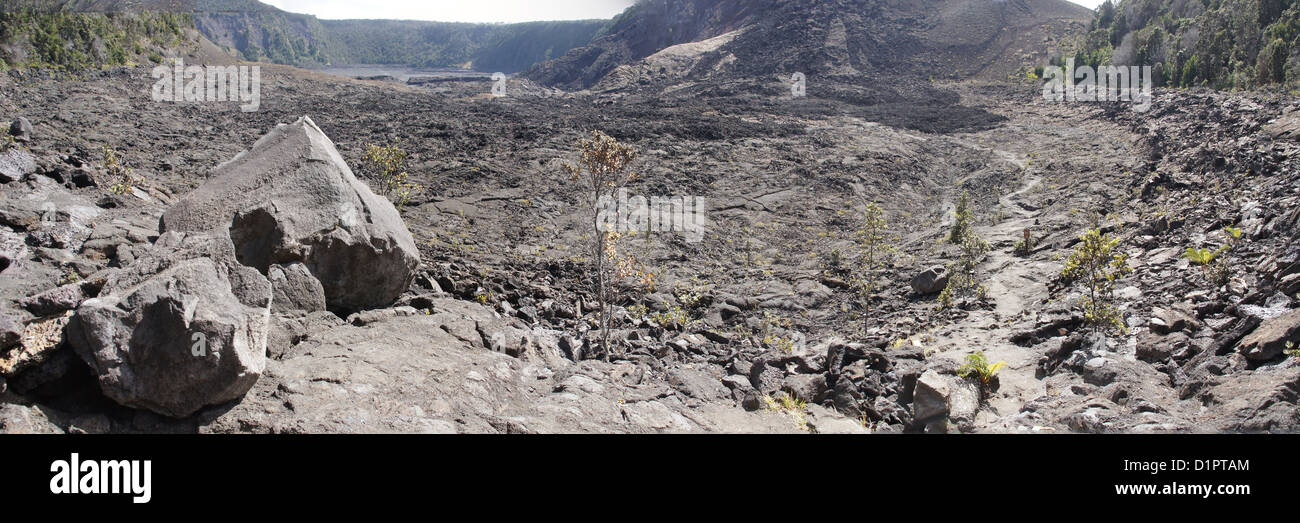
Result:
{"points": [[183, 328], [292, 198]]}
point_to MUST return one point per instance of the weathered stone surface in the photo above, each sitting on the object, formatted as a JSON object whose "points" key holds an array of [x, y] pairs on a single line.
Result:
{"points": [[944, 402], [424, 373], [1285, 127], [292, 198], [1169, 320], [16, 164], [13, 248], [56, 300], [1269, 340], [930, 281], [1156, 348], [22, 419], [39, 342], [11, 332], [183, 328], [807, 387], [697, 384], [294, 290], [964, 402], [931, 397]]}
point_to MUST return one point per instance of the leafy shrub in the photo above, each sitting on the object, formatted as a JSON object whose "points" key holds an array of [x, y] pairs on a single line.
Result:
{"points": [[963, 218], [388, 165], [962, 280], [1098, 265]]}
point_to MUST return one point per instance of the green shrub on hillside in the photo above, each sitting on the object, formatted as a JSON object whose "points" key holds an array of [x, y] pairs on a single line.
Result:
{"points": [[1227, 44], [78, 40]]}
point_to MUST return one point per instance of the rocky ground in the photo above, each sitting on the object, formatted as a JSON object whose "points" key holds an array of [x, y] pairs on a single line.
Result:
{"points": [[494, 333]]}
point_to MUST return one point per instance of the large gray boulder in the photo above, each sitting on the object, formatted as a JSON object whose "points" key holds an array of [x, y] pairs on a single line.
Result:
{"points": [[943, 400], [930, 281], [182, 328], [292, 198]]}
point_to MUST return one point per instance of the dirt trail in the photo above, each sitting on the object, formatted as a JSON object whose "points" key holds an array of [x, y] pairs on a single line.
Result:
{"points": [[1014, 284]]}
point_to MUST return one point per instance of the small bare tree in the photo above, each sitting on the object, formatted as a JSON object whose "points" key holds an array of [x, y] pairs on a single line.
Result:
{"points": [[873, 244], [602, 168]]}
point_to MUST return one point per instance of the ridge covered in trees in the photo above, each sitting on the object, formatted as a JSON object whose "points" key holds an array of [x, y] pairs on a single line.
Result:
{"points": [[1223, 44]]}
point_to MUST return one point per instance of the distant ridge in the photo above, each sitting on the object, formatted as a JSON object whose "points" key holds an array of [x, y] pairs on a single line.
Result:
{"points": [[941, 38], [252, 30]]}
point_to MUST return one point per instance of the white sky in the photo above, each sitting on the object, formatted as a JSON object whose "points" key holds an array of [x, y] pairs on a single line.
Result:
{"points": [[472, 10]]}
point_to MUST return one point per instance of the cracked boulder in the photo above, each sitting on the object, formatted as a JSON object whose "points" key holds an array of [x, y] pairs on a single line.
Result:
{"points": [[292, 199], [183, 328], [1269, 340]]}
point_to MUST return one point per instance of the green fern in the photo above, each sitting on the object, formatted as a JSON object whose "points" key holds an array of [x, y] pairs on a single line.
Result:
{"points": [[977, 366], [1200, 256]]}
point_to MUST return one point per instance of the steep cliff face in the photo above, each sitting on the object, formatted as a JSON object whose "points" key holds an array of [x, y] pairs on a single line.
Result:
{"points": [[255, 31], [935, 38], [251, 30], [645, 29]]}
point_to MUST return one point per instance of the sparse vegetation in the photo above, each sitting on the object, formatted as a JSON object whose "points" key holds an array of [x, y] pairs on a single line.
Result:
{"points": [[1096, 262], [977, 367], [123, 178], [1026, 245], [796, 408], [776, 332], [674, 318], [962, 280], [1214, 264], [602, 168], [963, 217], [693, 294], [873, 246], [388, 165]]}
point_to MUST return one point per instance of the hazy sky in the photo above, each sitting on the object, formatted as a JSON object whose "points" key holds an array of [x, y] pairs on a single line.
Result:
{"points": [[472, 10]]}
